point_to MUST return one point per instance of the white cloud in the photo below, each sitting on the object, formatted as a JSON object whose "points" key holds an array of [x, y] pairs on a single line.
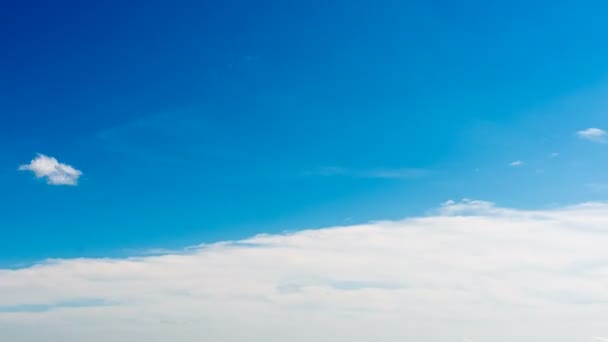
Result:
{"points": [[494, 274], [516, 163], [56, 173], [554, 155], [593, 134]]}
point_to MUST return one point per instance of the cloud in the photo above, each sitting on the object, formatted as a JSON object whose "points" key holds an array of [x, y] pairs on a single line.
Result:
{"points": [[56, 173], [597, 187], [593, 134], [386, 173], [516, 163], [554, 155], [52, 306], [496, 274]]}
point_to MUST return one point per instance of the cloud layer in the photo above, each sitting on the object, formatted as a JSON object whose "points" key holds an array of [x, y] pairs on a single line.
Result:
{"points": [[470, 271], [56, 173]]}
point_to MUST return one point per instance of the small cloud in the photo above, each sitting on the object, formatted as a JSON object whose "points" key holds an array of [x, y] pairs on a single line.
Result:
{"points": [[554, 155], [56, 173], [465, 207], [516, 163], [593, 134]]}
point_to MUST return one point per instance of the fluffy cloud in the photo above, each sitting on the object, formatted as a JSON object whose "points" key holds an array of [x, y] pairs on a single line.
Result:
{"points": [[593, 134], [470, 271], [56, 173]]}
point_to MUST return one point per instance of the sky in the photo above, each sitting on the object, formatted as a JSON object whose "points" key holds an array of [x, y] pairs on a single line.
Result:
{"points": [[262, 159]]}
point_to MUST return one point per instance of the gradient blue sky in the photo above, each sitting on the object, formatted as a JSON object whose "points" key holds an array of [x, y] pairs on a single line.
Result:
{"points": [[203, 121]]}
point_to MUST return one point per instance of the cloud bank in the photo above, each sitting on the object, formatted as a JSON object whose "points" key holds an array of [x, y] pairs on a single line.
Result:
{"points": [[53, 171], [470, 271]]}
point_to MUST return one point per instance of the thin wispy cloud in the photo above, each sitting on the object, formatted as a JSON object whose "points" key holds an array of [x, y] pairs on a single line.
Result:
{"points": [[85, 302], [53, 171], [382, 173], [516, 163], [593, 134], [597, 187], [470, 262]]}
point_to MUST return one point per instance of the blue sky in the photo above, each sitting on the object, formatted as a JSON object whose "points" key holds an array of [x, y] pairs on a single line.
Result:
{"points": [[198, 122], [303, 170]]}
